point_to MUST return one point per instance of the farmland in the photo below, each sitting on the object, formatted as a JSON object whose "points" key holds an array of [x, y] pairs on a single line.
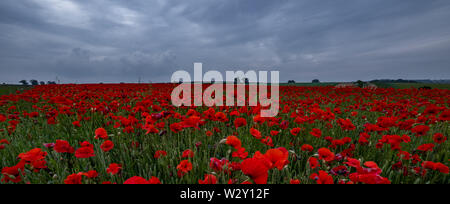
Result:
{"points": [[11, 89], [130, 133]]}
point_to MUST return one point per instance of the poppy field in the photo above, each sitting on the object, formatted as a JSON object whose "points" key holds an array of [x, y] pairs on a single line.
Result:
{"points": [[132, 134]]}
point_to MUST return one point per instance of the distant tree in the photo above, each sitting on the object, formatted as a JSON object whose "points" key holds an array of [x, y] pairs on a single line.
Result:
{"points": [[426, 87], [247, 81], [51, 82], [291, 82], [24, 82], [34, 82], [315, 81], [213, 81], [360, 83], [42, 83]]}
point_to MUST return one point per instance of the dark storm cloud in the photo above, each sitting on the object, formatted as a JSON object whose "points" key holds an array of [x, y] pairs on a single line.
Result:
{"points": [[113, 41]]}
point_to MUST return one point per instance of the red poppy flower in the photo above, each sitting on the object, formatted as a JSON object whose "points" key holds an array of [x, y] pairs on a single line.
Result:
{"points": [[13, 174], [62, 146], [160, 153], [176, 127], [2, 118], [322, 178], [346, 124], [136, 180], [295, 131], [420, 130], [107, 146], [4, 141], [326, 154], [209, 179], [353, 163], [267, 141], [221, 117], [439, 138], [313, 162], [140, 180], [85, 152], [255, 133], [101, 133], [239, 122], [219, 165], [76, 124], [184, 167], [426, 147], [73, 179], [274, 133], [294, 181], [240, 153], [277, 157], [187, 153], [256, 169], [234, 142], [92, 174], [151, 129], [114, 168], [193, 121], [33, 155], [154, 180], [445, 115], [307, 148], [316, 132]]}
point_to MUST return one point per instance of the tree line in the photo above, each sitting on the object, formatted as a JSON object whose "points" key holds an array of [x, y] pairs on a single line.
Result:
{"points": [[35, 82]]}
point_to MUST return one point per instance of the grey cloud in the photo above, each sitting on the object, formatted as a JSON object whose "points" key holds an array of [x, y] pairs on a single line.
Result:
{"points": [[88, 41]]}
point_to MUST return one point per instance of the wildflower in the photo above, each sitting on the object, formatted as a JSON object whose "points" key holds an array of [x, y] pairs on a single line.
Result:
{"points": [[256, 169], [188, 153], [101, 133], [73, 179], [107, 146], [159, 154], [114, 168], [295, 131], [326, 154], [307, 148], [439, 138], [62, 146], [184, 167], [209, 179], [239, 122], [316, 132]]}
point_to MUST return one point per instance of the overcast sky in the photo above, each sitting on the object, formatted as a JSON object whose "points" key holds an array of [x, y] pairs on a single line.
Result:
{"points": [[84, 41]]}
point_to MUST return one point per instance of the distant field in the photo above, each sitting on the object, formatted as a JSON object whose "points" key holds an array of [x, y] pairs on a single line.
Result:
{"points": [[10, 89], [412, 85], [381, 85], [311, 84]]}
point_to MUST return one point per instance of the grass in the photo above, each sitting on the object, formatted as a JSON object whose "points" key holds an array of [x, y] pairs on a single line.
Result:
{"points": [[418, 85], [380, 85], [311, 84], [11, 89]]}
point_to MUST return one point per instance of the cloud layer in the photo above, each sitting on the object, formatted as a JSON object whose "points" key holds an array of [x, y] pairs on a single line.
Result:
{"points": [[90, 41]]}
